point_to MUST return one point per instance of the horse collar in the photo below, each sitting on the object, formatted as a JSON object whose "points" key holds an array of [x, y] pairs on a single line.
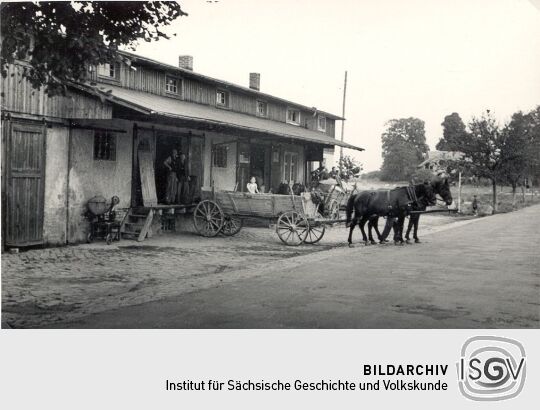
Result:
{"points": [[411, 192]]}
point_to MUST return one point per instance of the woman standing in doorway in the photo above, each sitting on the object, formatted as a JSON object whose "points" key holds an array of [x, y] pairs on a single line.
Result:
{"points": [[171, 164], [182, 173]]}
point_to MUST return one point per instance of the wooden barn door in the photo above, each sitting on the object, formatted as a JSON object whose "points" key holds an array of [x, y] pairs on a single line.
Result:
{"points": [[25, 183]]}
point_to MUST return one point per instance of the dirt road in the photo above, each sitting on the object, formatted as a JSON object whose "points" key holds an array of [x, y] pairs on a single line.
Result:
{"points": [[480, 275]]}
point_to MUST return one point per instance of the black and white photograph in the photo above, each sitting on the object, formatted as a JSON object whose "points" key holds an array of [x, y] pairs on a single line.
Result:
{"points": [[233, 164]]}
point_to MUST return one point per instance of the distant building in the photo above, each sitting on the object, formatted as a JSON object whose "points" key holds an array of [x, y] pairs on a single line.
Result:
{"points": [[441, 162]]}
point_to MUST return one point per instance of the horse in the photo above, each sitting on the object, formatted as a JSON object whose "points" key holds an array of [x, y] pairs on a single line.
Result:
{"points": [[443, 189], [391, 203], [440, 187]]}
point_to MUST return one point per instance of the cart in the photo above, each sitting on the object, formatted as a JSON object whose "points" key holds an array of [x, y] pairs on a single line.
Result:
{"points": [[298, 218]]}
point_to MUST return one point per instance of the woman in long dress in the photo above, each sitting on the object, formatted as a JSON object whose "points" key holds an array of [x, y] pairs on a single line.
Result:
{"points": [[182, 173], [171, 164]]}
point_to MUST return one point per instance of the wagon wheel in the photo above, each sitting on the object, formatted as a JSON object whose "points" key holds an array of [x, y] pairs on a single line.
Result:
{"points": [[315, 233], [292, 228], [231, 225], [333, 210], [208, 218]]}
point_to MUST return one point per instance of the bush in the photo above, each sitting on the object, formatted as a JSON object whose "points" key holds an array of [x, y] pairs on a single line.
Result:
{"points": [[372, 175]]}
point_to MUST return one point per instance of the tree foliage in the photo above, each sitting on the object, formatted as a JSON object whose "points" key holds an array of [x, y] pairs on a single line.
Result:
{"points": [[349, 168], [454, 133], [60, 40], [515, 150], [404, 146]]}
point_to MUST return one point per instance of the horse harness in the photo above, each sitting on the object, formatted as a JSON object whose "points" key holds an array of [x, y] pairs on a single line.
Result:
{"points": [[411, 193]]}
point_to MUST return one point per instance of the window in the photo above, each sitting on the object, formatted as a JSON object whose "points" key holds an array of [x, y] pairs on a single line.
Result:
{"points": [[321, 123], [290, 167], [107, 70], [222, 98], [171, 84], [104, 146], [293, 116], [220, 156], [262, 109]]}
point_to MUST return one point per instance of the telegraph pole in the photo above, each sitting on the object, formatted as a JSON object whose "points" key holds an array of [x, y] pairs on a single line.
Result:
{"points": [[343, 121]]}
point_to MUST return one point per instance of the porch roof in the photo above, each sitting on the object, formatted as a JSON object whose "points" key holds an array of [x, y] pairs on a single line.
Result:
{"points": [[152, 104]]}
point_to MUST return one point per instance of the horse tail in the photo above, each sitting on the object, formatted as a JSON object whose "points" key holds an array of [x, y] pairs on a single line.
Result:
{"points": [[350, 207]]}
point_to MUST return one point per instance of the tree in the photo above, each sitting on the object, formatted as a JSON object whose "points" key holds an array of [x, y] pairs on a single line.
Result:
{"points": [[515, 151], [533, 163], [61, 40], [454, 133], [349, 168], [404, 145], [483, 150]]}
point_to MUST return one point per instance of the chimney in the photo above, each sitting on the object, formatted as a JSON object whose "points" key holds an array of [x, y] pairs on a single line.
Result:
{"points": [[255, 81], [185, 62]]}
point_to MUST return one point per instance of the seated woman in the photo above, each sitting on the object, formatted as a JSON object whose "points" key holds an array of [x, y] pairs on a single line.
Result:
{"points": [[252, 186]]}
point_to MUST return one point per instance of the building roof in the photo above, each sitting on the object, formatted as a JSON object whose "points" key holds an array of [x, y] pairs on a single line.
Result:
{"points": [[152, 104], [433, 157], [189, 73]]}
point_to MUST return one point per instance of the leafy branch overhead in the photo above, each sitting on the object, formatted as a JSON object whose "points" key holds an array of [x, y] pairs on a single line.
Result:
{"points": [[61, 40]]}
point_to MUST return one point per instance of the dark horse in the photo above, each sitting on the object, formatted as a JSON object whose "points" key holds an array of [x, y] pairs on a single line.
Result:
{"points": [[395, 203], [443, 190], [440, 187]]}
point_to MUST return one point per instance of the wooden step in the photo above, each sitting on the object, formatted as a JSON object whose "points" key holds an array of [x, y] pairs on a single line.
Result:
{"points": [[137, 224]]}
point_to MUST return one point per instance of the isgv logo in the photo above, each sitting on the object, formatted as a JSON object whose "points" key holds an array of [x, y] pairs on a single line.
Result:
{"points": [[491, 368]]}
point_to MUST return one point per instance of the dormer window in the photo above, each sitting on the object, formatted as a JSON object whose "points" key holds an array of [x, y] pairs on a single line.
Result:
{"points": [[293, 116], [172, 84], [262, 108], [107, 70], [321, 123], [222, 98]]}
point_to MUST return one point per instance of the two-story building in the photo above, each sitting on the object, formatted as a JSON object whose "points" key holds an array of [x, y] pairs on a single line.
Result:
{"points": [[110, 136]]}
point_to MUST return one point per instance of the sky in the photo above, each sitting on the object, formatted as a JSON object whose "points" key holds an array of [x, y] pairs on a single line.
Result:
{"points": [[414, 58]]}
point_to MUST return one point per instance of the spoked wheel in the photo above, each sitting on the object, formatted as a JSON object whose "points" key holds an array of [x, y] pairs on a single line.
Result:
{"points": [[315, 233], [333, 210], [208, 218], [231, 225], [292, 228]]}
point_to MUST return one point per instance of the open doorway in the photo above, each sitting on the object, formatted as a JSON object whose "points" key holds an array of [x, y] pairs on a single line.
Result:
{"points": [[260, 166], [165, 144]]}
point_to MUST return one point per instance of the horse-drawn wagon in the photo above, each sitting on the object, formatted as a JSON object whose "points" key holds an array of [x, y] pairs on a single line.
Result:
{"points": [[298, 218]]}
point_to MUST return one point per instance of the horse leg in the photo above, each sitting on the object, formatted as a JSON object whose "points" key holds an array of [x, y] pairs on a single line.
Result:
{"points": [[376, 226], [410, 225], [415, 234], [351, 229], [373, 222], [362, 224]]}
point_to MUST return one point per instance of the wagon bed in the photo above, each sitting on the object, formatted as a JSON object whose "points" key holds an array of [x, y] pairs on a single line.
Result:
{"points": [[298, 219]]}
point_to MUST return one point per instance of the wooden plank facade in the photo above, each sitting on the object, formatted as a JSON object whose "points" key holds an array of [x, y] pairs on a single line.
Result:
{"points": [[141, 76], [51, 166]]}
